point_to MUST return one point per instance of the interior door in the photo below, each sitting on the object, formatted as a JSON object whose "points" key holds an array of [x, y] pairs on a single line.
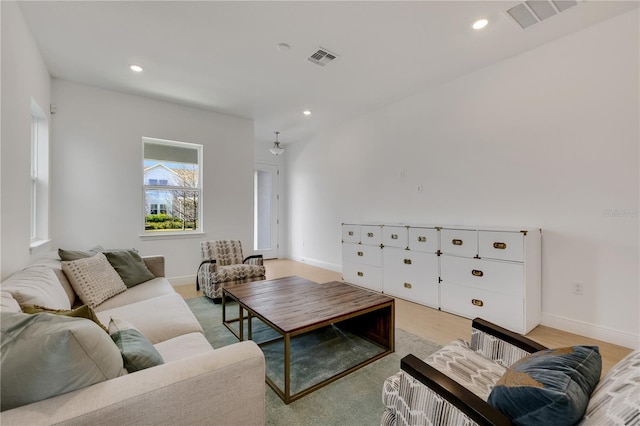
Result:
{"points": [[265, 210]]}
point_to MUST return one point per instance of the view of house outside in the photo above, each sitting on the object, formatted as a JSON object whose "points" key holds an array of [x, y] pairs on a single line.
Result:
{"points": [[170, 205]]}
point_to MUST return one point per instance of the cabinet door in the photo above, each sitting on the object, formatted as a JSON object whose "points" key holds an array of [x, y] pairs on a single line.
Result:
{"points": [[394, 236], [365, 255], [490, 275], [504, 310], [411, 275], [501, 245], [371, 235], [423, 239], [350, 233], [366, 276], [461, 242]]}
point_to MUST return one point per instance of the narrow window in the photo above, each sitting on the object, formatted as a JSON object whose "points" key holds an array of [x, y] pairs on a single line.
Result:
{"points": [[172, 186], [39, 190]]}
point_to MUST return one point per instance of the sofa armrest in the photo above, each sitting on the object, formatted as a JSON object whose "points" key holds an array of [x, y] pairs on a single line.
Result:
{"points": [[221, 387], [499, 344], [458, 397], [155, 264]]}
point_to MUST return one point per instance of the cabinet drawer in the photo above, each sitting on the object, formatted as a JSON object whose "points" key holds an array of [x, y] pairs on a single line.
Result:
{"points": [[501, 245], [423, 239], [394, 236], [411, 275], [362, 275], [371, 235], [361, 254], [351, 233], [494, 276], [460, 242], [504, 310]]}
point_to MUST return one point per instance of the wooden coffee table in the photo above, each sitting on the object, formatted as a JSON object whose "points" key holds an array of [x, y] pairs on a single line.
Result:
{"points": [[294, 306]]}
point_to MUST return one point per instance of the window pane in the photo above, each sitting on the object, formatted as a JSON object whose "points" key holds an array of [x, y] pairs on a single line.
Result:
{"points": [[171, 210]]}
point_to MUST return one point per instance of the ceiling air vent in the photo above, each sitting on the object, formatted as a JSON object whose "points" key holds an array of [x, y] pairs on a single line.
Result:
{"points": [[533, 11], [322, 57]]}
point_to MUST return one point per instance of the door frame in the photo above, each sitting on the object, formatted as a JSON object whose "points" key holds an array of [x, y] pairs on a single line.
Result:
{"points": [[274, 251]]}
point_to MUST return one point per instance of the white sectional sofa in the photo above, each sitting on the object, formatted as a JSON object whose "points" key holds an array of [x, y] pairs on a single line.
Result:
{"points": [[196, 384]]}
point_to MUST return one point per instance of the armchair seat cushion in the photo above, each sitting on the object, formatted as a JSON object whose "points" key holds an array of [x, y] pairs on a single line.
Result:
{"points": [[467, 367], [233, 273]]}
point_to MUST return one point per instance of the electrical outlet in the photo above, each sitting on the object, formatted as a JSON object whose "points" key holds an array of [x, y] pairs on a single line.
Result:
{"points": [[578, 288]]}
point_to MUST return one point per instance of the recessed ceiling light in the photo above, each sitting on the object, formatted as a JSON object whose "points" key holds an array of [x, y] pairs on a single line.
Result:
{"points": [[136, 68], [480, 24], [306, 112]]}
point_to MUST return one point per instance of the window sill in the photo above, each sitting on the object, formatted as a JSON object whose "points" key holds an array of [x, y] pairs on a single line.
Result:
{"points": [[171, 235], [35, 246]]}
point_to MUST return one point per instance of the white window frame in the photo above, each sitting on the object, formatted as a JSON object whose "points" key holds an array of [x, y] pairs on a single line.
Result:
{"points": [[199, 189], [39, 178]]}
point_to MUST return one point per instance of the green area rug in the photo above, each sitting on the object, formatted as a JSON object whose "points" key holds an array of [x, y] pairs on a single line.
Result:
{"points": [[352, 400]]}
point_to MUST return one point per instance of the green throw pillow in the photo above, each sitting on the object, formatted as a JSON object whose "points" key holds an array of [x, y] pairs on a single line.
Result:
{"points": [[71, 255], [130, 266], [137, 351], [47, 355], [83, 311], [549, 387]]}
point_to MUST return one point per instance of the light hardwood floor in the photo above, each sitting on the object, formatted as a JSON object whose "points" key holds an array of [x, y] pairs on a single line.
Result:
{"points": [[431, 324]]}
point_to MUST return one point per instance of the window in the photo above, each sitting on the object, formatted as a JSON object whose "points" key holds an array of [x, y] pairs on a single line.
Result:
{"points": [[172, 186], [39, 196]]}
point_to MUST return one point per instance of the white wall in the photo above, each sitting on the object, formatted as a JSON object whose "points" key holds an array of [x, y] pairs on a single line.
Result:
{"points": [[97, 172], [545, 139], [24, 76]]}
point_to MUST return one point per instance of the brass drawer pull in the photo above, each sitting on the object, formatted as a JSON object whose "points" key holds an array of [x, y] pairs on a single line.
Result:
{"points": [[407, 285], [407, 261], [370, 234], [394, 236], [477, 273], [477, 302], [422, 239], [456, 242], [351, 233], [360, 253], [360, 274], [499, 246]]}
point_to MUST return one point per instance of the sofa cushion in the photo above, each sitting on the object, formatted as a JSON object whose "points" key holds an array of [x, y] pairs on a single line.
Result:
{"points": [[83, 311], [45, 355], [130, 266], [616, 398], [37, 285], [549, 387], [93, 279], [184, 346], [159, 319], [467, 367], [147, 290], [137, 352], [8, 303]]}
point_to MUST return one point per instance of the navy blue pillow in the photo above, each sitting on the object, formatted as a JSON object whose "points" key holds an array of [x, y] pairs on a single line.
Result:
{"points": [[550, 387]]}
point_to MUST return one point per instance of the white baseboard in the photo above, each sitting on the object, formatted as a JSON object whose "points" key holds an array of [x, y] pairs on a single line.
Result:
{"points": [[318, 263], [188, 279], [617, 337]]}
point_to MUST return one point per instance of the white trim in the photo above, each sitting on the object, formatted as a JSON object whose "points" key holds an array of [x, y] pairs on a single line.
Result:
{"points": [[318, 263], [170, 235], [185, 280], [617, 337]]}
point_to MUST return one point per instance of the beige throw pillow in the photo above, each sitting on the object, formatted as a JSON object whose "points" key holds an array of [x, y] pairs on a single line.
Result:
{"points": [[93, 279]]}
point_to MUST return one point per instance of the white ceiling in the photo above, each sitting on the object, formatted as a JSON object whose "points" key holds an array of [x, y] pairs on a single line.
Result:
{"points": [[223, 56]]}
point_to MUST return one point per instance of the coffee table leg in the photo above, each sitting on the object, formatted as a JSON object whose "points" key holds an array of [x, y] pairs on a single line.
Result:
{"points": [[241, 322], [287, 368]]}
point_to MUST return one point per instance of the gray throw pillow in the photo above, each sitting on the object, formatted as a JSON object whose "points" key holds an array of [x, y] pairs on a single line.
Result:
{"points": [[130, 266], [45, 355], [70, 255], [137, 351]]}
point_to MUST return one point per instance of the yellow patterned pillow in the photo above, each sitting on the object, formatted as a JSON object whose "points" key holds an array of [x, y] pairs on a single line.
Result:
{"points": [[93, 279]]}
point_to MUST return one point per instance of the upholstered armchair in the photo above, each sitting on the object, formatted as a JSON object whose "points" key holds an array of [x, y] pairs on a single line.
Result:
{"points": [[223, 264], [503, 378]]}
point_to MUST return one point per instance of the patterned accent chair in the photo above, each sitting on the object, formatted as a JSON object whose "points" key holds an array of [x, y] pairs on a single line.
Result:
{"points": [[451, 386], [223, 264]]}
